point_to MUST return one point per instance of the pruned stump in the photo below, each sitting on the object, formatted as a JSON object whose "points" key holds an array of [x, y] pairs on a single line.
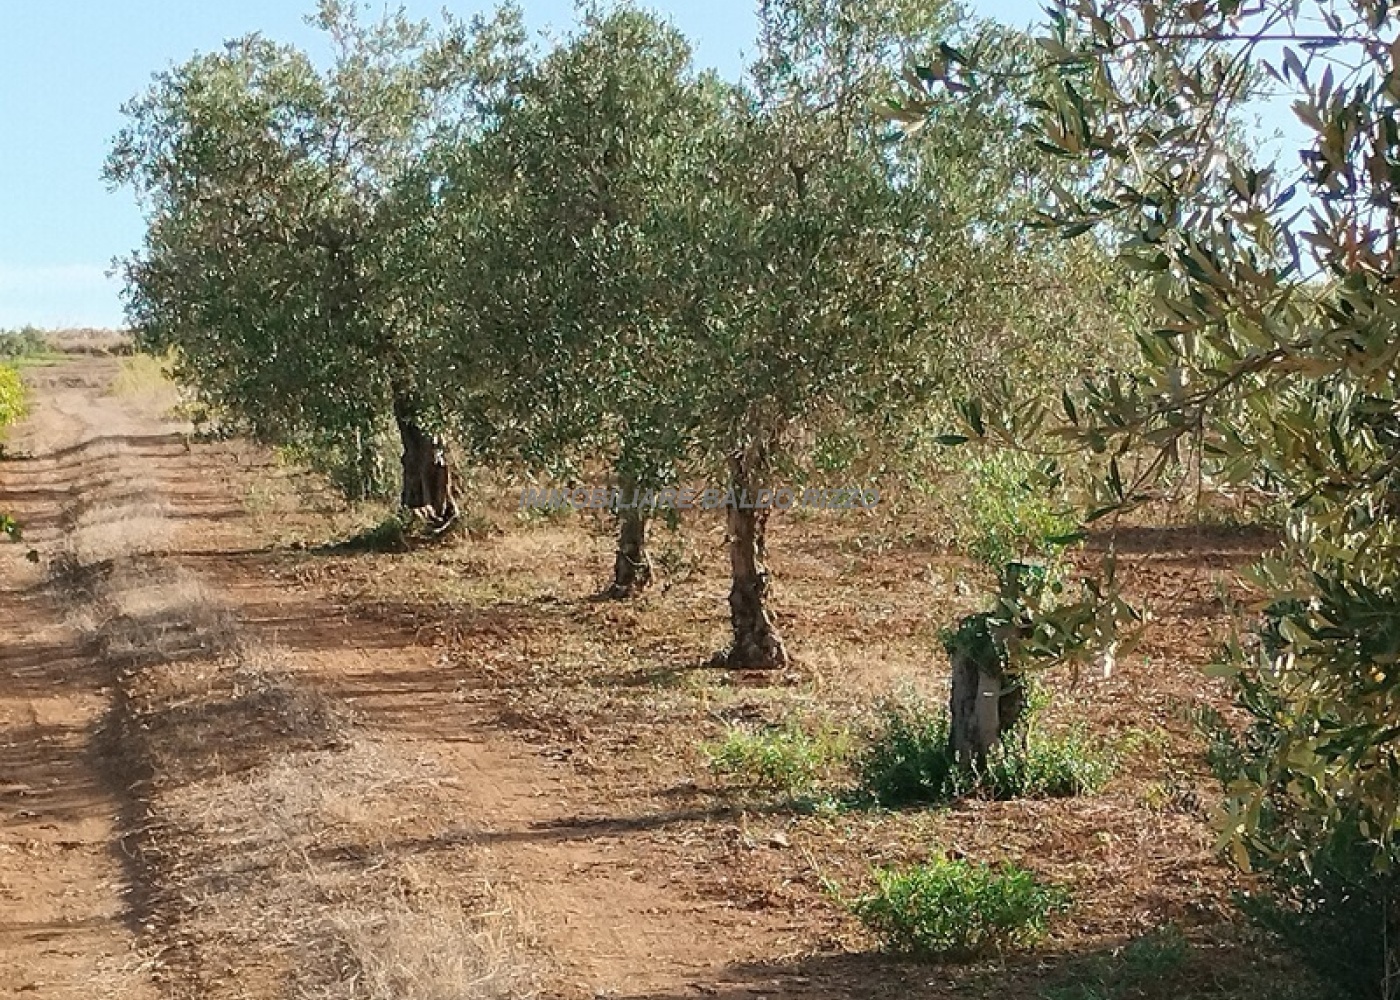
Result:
{"points": [[986, 701]]}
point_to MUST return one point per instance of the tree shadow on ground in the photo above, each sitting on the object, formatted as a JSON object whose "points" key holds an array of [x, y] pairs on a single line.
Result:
{"points": [[1161, 965]]}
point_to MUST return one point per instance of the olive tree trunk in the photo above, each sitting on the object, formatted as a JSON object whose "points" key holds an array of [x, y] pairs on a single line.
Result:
{"points": [[632, 571], [986, 701], [427, 477], [757, 644]]}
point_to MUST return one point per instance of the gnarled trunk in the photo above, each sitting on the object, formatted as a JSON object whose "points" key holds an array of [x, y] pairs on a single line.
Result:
{"points": [[427, 477], [632, 567], [986, 701], [757, 644]]}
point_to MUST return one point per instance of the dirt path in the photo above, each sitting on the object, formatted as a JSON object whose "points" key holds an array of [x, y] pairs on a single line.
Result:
{"points": [[237, 766], [117, 867], [66, 916], [607, 891]]}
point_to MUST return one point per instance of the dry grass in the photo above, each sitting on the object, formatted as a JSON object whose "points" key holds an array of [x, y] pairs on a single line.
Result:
{"points": [[142, 381], [126, 518], [422, 949], [264, 822], [280, 487], [291, 874], [267, 841], [117, 531], [89, 341]]}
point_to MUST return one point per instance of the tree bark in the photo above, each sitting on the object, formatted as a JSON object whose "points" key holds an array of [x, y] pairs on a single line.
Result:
{"points": [[632, 571], [427, 477], [986, 702], [757, 644]]}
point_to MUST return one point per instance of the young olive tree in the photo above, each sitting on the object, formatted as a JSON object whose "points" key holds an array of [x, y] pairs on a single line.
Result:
{"points": [[558, 261], [265, 181], [1275, 359]]}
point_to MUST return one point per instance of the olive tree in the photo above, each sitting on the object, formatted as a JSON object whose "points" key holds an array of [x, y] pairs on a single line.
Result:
{"points": [[1274, 359], [265, 181], [855, 282], [555, 279], [807, 285]]}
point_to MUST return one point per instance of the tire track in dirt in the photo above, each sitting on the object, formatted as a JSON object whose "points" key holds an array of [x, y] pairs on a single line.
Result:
{"points": [[66, 914], [239, 840]]}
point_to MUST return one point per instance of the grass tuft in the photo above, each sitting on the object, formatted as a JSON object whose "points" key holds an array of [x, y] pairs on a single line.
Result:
{"points": [[422, 948], [787, 758], [1146, 966], [908, 762], [907, 759], [1050, 767], [143, 382], [957, 909], [389, 534], [140, 374]]}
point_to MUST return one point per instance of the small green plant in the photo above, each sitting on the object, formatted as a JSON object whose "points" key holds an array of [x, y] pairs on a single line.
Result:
{"points": [[908, 761], [787, 758], [11, 396], [543, 514], [1226, 755], [677, 557], [1053, 767], [957, 909], [1009, 510]]}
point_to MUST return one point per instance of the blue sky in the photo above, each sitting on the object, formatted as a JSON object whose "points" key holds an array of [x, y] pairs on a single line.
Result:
{"points": [[66, 67]]}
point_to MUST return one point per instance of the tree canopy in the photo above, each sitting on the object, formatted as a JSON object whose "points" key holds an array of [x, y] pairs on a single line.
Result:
{"points": [[267, 181]]}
